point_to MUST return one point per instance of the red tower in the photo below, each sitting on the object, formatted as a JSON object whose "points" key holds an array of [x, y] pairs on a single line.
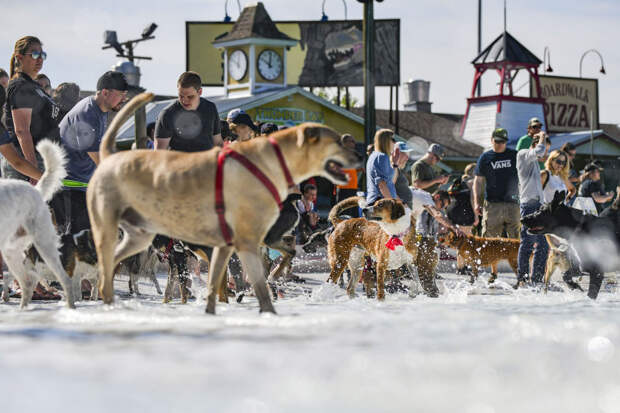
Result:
{"points": [[506, 56]]}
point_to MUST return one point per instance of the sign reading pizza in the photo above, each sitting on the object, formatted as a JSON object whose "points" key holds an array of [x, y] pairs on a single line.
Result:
{"points": [[571, 103]]}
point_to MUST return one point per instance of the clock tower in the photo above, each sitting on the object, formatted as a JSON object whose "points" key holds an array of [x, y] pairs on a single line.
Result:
{"points": [[254, 53]]}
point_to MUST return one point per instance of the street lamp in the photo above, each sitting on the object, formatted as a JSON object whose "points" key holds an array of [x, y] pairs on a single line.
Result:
{"points": [[599, 55], [547, 60], [325, 17], [370, 121]]}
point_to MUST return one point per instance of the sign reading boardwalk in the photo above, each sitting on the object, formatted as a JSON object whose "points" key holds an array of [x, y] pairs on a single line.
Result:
{"points": [[571, 103]]}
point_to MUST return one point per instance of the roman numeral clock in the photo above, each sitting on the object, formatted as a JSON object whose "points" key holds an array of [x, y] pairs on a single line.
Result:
{"points": [[254, 54]]}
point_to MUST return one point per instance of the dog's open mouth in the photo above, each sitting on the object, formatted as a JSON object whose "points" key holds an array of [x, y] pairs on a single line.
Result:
{"points": [[535, 230], [334, 170]]}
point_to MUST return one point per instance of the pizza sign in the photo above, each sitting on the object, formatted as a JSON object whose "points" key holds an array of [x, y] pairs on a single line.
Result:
{"points": [[571, 104]]}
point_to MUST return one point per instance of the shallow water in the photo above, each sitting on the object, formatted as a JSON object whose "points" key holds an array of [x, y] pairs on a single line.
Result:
{"points": [[474, 350]]}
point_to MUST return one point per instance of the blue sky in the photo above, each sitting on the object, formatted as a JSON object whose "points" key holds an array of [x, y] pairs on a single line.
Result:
{"points": [[438, 39]]}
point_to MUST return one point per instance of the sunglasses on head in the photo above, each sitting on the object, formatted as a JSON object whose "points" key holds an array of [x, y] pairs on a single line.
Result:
{"points": [[36, 55]]}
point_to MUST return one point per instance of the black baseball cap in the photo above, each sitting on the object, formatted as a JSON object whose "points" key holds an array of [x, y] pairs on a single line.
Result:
{"points": [[268, 128], [242, 118], [112, 80]]}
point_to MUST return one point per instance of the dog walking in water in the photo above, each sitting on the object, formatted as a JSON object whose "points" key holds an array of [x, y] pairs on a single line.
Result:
{"points": [[26, 220], [174, 194]]}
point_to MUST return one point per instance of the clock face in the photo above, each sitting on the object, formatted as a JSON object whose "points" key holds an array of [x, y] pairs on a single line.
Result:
{"points": [[269, 64], [237, 64]]}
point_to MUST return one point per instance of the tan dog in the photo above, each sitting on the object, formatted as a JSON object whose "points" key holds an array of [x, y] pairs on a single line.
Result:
{"points": [[560, 259], [353, 238], [483, 252], [173, 193]]}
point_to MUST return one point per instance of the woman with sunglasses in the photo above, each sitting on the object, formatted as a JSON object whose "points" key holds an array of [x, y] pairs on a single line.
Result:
{"points": [[554, 177], [31, 115]]}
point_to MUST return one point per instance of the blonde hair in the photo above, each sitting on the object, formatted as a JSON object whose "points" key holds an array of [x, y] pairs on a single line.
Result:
{"points": [[383, 137], [21, 46], [565, 169]]}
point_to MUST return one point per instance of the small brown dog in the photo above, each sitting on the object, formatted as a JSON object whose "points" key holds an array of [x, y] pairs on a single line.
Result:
{"points": [[483, 252], [388, 236]]}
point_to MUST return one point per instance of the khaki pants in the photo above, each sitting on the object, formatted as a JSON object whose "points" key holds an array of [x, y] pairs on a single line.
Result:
{"points": [[497, 216]]}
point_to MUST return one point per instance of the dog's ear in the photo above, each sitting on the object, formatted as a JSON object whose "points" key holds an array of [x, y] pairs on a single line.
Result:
{"points": [[554, 242], [398, 210], [308, 134], [558, 198]]}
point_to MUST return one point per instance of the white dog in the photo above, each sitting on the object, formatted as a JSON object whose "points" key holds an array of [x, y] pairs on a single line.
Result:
{"points": [[25, 220]]}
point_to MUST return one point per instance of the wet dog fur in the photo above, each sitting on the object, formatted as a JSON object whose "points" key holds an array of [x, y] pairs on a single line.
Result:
{"points": [[479, 252], [353, 239]]}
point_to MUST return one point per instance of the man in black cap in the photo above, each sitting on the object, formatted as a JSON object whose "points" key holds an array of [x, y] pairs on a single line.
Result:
{"points": [[191, 123], [81, 131], [592, 186]]}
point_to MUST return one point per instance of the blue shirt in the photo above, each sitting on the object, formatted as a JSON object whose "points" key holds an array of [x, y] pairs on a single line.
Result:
{"points": [[500, 172], [378, 168], [81, 131]]}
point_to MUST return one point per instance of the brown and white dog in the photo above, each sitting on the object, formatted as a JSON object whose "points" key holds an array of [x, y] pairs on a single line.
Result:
{"points": [[388, 236], [172, 193], [480, 252]]}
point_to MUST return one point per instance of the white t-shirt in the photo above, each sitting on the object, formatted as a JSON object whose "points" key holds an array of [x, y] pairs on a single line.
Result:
{"points": [[554, 184], [420, 198]]}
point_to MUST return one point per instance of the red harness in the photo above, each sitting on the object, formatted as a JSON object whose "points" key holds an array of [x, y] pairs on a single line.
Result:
{"points": [[219, 182]]}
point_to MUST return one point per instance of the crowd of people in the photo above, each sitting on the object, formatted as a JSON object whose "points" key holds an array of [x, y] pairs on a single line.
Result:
{"points": [[492, 194]]}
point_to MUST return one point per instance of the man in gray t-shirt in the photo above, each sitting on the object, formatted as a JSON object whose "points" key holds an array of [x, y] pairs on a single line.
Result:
{"points": [[81, 131], [530, 198]]}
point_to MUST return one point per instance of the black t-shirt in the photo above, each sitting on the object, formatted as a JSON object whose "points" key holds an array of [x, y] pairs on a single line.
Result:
{"points": [[24, 93], [500, 171], [189, 130], [589, 187]]}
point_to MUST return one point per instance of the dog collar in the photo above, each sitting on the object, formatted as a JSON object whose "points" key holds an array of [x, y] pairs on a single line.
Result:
{"points": [[395, 240]]}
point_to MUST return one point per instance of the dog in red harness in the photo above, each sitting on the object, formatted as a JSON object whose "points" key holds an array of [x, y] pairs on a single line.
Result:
{"points": [[224, 198]]}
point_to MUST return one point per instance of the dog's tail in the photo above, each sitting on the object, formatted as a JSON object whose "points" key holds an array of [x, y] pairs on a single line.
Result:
{"points": [[108, 143], [54, 159], [334, 214]]}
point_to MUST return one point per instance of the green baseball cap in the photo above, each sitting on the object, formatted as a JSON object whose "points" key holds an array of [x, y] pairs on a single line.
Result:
{"points": [[500, 133]]}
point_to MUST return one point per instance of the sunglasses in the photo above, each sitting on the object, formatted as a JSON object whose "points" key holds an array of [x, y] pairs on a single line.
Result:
{"points": [[499, 141], [37, 55], [536, 126], [560, 162]]}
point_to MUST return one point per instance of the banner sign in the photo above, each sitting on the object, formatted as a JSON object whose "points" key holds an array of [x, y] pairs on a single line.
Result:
{"points": [[328, 53], [288, 116], [571, 103]]}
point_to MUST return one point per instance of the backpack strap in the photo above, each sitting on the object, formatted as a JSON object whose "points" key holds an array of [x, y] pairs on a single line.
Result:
{"points": [[545, 175]]}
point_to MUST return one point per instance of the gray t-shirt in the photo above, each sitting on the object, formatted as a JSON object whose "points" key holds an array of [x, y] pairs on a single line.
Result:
{"points": [[189, 130], [402, 188], [530, 186], [81, 131]]}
